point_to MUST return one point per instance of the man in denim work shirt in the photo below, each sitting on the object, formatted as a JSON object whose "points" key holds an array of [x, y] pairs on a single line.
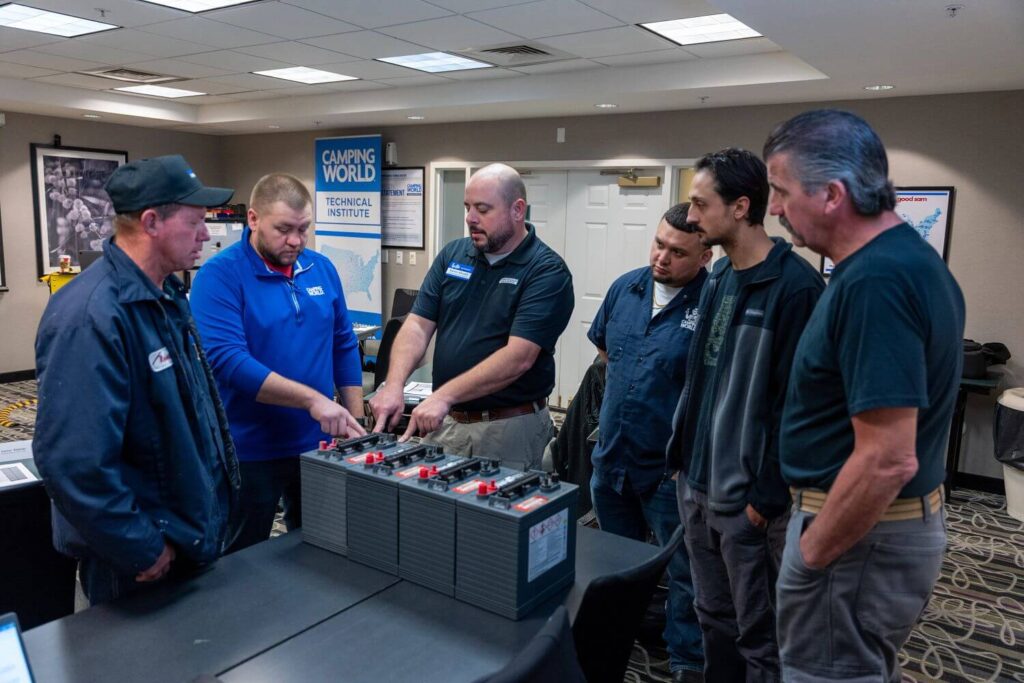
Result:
{"points": [[643, 331]]}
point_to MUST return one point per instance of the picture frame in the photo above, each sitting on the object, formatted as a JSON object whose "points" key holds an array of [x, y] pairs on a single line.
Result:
{"points": [[73, 212], [403, 211], [929, 210]]}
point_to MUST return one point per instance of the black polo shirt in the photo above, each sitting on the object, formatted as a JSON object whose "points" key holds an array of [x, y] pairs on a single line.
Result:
{"points": [[477, 307]]}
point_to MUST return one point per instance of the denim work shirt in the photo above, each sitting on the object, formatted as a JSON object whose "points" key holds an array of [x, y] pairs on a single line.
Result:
{"points": [[646, 373]]}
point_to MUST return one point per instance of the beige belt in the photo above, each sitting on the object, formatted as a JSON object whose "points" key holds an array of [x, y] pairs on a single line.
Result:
{"points": [[813, 500]]}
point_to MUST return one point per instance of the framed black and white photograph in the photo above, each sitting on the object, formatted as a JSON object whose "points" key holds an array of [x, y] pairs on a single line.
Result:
{"points": [[928, 210], [72, 210]]}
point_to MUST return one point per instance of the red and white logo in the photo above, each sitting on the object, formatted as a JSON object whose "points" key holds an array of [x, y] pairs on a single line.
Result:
{"points": [[160, 359]]}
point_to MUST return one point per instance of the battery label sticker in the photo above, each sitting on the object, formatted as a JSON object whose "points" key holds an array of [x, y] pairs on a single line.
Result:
{"points": [[531, 503], [358, 459], [549, 544], [468, 486], [413, 471]]}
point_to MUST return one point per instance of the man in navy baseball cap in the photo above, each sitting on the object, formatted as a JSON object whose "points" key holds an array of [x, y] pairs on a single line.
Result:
{"points": [[137, 458]]}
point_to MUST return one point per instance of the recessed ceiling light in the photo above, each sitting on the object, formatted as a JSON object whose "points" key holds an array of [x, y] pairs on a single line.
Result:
{"points": [[54, 23], [606, 105], [713, 28], [435, 62], [273, 126], [91, 116], [303, 74], [198, 5], [415, 117], [158, 91], [880, 86]]}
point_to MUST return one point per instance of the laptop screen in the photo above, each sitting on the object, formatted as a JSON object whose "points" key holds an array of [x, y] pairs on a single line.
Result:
{"points": [[13, 660]]}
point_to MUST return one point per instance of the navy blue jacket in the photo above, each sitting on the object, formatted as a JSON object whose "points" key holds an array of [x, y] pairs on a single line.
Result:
{"points": [[646, 373], [748, 385], [131, 439]]}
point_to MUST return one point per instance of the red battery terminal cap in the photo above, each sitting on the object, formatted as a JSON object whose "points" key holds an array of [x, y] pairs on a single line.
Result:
{"points": [[370, 458], [424, 473], [433, 469], [323, 445], [492, 487], [481, 490]]}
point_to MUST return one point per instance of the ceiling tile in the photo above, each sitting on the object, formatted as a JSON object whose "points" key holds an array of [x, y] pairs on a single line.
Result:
{"points": [[9, 70], [256, 95], [733, 48], [176, 67], [246, 82], [546, 18], [145, 43], [656, 57], [296, 53], [211, 99], [81, 81], [611, 41], [451, 33], [412, 81], [480, 74], [235, 62], [47, 61], [210, 86], [463, 6], [206, 32], [94, 53], [16, 39], [369, 69], [342, 86], [367, 44], [286, 21], [373, 14], [556, 67], [653, 10]]}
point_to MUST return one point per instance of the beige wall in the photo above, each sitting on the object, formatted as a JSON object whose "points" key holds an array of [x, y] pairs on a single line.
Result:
{"points": [[22, 306], [971, 141]]}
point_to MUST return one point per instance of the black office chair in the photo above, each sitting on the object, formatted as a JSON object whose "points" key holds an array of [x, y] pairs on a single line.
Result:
{"points": [[610, 613], [548, 658], [387, 340], [402, 302]]}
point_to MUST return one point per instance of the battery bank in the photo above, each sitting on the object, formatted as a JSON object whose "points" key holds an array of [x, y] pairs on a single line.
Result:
{"points": [[515, 541], [323, 478], [372, 500], [426, 512]]}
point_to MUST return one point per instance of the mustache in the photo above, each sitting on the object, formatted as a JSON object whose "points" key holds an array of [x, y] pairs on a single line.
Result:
{"points": [[785, 223]]}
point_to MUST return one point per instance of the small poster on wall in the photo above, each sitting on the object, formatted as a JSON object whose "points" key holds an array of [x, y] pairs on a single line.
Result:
{"points": [[929, 210], [402, 208]]}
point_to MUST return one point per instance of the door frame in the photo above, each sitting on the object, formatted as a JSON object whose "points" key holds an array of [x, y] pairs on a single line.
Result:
{"points": [[669, 168]]}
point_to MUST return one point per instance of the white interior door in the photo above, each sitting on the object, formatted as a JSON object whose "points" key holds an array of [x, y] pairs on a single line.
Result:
{"points": [[609, 231], [546, 196]]}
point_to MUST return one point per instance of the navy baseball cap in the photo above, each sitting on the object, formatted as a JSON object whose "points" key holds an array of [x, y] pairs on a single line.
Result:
{"points": [[161, 180]]}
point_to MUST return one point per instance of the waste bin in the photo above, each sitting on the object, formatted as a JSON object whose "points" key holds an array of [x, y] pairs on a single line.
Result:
{"points": [[1009, 443]]}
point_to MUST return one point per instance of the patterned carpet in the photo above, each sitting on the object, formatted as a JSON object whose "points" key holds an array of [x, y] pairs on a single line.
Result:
{"points": [[971, 632]]}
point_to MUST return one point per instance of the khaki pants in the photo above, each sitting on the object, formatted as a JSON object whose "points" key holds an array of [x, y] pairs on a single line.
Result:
{"points": [[518, 441]]}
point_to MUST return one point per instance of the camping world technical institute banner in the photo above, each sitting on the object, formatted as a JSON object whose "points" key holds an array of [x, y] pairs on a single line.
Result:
{"points": [[348, 219]]}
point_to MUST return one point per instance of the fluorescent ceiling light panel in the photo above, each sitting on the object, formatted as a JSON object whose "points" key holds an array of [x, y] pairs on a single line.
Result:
{"points": [[435, 62], [158, 91], [195, 6], [303, 74], [54, 23], [710, 29]]}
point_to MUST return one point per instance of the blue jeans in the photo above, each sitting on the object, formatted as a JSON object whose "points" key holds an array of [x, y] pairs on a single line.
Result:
{"points": [[630, 514], [264, 482]]}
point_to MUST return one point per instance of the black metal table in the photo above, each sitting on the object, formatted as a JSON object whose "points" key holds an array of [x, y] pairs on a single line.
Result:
{"points": [[283, 610], [967, 386]]}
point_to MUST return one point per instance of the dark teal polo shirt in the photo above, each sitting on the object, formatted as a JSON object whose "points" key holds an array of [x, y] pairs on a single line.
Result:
{"points": [[886, 334], [477, 307]]}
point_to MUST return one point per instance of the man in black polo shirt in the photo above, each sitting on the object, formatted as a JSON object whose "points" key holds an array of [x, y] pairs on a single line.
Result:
{"points": [[498, 300], [867, 412]]}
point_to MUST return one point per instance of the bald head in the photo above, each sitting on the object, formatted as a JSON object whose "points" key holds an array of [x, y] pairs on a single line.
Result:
{"points": [[508, 182]]}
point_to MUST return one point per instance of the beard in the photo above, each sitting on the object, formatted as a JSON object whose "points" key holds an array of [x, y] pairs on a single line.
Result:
{"points": [[784, 222], [270, 256], [496, 240]]}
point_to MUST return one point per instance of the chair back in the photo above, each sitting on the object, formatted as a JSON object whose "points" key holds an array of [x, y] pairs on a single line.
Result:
{"points": [[402, 302], [387, 340], [611, 611], [548, 658]]}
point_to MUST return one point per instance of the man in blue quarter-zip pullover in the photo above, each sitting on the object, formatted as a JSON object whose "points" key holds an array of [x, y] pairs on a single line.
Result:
{"points": [[274, 321], [643, 331], [725, 439], [131, 439]]}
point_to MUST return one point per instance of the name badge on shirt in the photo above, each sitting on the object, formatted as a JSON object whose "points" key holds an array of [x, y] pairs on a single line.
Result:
{"points": [[459, 271], [160, 359]]}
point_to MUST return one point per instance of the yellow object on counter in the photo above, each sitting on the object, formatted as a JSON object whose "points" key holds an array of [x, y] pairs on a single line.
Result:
{"points": [[56, 280]]}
